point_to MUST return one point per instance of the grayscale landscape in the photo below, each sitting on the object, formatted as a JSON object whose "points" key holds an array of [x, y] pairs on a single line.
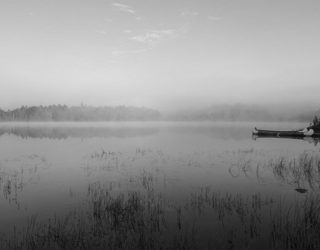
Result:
{"points": [[159, 124]]}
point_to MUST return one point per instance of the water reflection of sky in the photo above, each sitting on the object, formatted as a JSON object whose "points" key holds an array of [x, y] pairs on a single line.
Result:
{"points": [[46, 168]]}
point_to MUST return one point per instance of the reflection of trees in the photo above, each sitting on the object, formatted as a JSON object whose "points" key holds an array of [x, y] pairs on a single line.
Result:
{"points": [[77, 132], [79, 113], [216, 131], [16, 173]]}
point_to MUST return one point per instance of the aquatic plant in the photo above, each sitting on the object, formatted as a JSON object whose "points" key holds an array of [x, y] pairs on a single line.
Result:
{"points": [[302, 171], [113, 218], [136, 213]]}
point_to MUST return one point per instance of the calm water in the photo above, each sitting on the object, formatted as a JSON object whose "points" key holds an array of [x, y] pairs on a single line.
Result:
{"points": [[45, 168]]}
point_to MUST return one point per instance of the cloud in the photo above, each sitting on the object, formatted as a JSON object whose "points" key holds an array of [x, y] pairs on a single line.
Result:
{"points": [[119, 52], [101, 32], [127, 31], [154, 36], [108, 20], [214, 18], [30, 13], [186, 13], [124, 8]]}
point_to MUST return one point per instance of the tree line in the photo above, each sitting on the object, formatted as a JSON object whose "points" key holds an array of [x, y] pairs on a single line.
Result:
{"points": [[241, 112], [79, 113], [129, 113]]}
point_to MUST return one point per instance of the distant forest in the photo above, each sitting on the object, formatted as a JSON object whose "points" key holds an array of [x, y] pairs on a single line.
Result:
{"points": [[240, 112], [125, 113], [79, 113]]}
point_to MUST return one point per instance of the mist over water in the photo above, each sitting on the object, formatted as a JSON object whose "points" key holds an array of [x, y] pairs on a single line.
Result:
{"points": [[129, 124], [47, 169]]}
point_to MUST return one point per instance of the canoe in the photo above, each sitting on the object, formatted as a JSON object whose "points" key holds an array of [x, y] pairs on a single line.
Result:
{"points": [[283, 133]]}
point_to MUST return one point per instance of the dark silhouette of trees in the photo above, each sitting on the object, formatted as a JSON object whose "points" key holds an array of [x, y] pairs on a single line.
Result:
{"points": [[126, 113], [316, 121], [79, 113]]}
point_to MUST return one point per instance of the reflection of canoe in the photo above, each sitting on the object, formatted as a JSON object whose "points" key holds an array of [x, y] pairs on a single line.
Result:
{"points": [[314, 140], [283, 133], [301, 190]]}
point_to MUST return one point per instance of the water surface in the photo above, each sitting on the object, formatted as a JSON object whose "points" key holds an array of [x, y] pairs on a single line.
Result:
{"points": [[46, 168]]}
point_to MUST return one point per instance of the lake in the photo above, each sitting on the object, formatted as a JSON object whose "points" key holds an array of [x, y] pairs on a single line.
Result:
{"points": [[49, 169]]}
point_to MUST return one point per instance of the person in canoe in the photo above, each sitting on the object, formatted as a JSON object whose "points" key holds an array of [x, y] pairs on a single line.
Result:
{"points": [[312, 130], [314, 127]]}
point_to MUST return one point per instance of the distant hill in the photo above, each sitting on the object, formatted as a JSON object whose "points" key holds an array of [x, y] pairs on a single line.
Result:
{"points": [[79, 113], [241, 112], [236, 112]]}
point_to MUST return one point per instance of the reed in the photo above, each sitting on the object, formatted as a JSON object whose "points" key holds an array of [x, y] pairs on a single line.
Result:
{"points": [[142, 220], [140, 216]]}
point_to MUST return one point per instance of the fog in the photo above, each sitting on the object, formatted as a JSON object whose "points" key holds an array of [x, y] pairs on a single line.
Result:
{"points": [[159, 124], [168, 55]]}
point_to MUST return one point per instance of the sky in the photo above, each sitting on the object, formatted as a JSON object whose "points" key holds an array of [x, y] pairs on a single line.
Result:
{"points": [[163, 54]]}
